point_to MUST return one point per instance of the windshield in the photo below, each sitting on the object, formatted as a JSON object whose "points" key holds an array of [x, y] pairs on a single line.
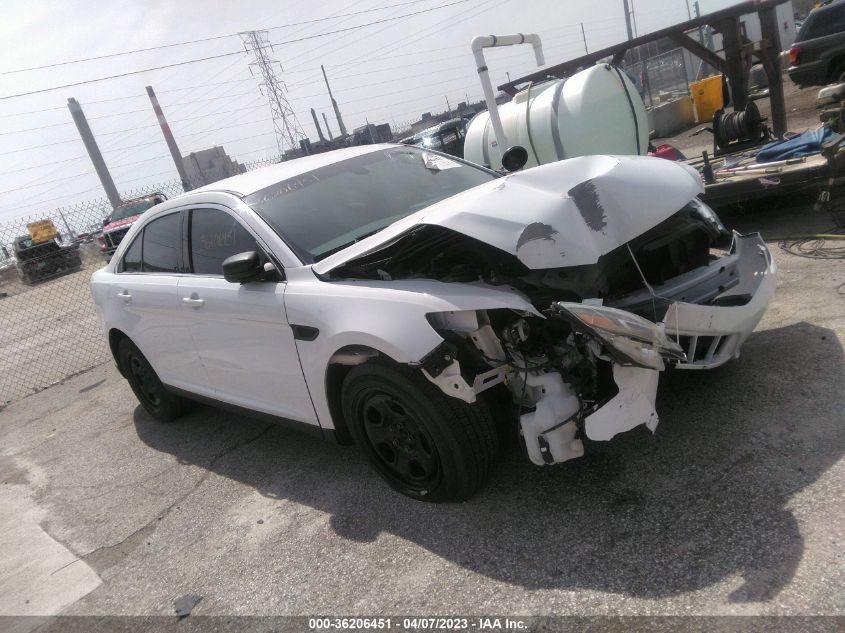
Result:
{"points": [[135, 208], [322, 211]]}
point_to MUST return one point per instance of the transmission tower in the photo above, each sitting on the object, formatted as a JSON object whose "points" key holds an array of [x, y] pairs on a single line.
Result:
{"points": [[287, 127]]}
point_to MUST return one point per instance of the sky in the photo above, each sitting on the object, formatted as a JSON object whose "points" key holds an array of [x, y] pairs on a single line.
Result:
{"points": [[390, 71]]}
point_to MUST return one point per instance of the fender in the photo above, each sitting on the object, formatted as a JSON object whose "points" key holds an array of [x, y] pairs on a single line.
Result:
{"points": [[378, 315]]}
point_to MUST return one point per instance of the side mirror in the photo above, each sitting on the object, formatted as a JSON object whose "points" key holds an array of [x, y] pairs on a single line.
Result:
{"points": [[106, 221], [243, 267], [514, 158]]}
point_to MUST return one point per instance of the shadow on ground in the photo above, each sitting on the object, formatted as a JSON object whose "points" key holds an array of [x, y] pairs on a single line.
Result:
{"points": [[650, 516]]}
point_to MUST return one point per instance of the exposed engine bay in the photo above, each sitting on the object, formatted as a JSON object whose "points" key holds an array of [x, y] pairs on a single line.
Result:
{"points": [[684, 293], [678, 245]]}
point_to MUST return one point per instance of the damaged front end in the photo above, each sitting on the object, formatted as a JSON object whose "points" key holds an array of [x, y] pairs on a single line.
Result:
{"points": [[581, 370], [623, 286]]}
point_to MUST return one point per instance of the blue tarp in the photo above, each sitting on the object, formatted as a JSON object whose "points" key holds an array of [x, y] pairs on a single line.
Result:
{"points": [[810, 142]]}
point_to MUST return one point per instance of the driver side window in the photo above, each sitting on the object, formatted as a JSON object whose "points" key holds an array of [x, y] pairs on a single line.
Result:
{"points": [[215, 235]]}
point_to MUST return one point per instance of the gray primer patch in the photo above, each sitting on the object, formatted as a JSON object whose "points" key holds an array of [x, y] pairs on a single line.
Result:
{"points": [[586, 198], [535, 231]]}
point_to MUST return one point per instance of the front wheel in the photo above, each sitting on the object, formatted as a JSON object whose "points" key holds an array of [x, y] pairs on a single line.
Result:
{"points": [[151, 393], [425, 444]]}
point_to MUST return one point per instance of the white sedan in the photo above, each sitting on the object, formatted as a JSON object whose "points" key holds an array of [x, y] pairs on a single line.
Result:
{"points": [[428, 309]]}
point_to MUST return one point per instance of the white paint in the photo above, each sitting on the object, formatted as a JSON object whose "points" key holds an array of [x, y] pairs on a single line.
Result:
{"points": [[596, 111], [238, 347], [632, 406], [478, 45], [556, 402], [451, 382], [499, 211], [756, 271]]}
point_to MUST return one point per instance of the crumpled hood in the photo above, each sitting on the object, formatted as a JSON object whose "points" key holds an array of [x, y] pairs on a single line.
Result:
{"points": [[567, 213]]}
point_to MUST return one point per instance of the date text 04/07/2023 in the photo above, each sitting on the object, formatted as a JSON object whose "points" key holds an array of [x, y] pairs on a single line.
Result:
{"points": [[417, 624]]}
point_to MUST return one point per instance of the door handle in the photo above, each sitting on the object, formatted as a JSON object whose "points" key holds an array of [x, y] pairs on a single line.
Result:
{"points": [[193, 302], [124, 294]]}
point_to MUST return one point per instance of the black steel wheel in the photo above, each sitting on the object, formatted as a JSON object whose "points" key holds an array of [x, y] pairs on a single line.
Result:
{"points": [[151, 393], [425, 444], [403, 445]]}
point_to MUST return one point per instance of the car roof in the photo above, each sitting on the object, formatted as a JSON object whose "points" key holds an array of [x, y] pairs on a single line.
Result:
{"points": [[129, 201], [821, 10], [257, 179]]}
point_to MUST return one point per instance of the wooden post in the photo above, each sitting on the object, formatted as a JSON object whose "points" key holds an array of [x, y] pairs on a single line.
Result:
{"points": [[770, 56], [734, 58]]}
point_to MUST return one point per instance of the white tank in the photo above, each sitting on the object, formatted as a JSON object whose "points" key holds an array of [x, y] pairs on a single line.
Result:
{"points": [[596, 111]]}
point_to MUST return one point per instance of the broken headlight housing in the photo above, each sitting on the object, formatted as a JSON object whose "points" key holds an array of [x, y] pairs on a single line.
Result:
{"points": [[703, 211], [628, 338]]}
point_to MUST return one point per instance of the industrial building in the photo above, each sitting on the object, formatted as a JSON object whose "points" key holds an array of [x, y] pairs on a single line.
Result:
{"points": [[210, 165]]}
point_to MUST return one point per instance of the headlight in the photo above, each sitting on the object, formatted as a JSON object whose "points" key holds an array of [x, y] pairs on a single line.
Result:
{"points": [[630, 339]]}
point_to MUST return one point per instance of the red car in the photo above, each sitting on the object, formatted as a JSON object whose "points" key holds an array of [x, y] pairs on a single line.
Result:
{"points": [[122, 218]]}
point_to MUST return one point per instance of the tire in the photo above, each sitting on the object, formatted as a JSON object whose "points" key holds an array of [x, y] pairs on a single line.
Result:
{"points": [[837, 75], [425, 444], [151, 393]]}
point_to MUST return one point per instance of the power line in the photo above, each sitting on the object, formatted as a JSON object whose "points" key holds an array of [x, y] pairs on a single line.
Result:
{"points": [[26, 149], [119, 75], [196, 41], [116, 114], [138, 96], [230, 54], [58, 162]]}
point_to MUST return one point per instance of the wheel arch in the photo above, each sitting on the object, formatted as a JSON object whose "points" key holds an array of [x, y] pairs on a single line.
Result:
{"points": [[339, 365], [115, 336], [836, 63]]}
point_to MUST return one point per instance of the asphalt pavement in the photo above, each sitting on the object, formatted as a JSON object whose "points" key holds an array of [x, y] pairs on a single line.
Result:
{"points": [[734, 506]]}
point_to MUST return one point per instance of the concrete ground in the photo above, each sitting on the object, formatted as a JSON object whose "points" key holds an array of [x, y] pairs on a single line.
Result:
{"points": [[734, 506]]}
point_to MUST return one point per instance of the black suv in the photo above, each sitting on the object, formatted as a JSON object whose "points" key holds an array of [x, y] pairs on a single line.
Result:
{"points": [[37, 261], [818, 55]]}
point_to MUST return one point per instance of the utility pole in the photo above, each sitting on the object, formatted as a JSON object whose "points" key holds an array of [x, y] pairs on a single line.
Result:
{"points": [[93, 151], [334, 104], [317, 125], [584, 36], [448, 107], [328, 129], [285, 124], [171, 142], [698, 15], [628, 19], [634, 19]]}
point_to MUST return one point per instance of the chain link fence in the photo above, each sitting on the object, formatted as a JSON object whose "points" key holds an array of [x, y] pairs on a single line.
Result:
{"points": [[662, 77], [50, 328]]}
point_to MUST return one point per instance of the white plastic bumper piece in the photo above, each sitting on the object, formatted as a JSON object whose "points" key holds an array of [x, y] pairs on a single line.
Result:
{"points": [[711, 335]]}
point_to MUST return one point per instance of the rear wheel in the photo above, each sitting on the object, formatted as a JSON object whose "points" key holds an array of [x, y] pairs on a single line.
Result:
{"points": [[151, 393], [838, 73], [425, 444]]}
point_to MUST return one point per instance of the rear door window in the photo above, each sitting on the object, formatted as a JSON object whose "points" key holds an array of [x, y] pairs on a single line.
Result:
{"points": [[161, 245], [132, 259], [214, 236]]}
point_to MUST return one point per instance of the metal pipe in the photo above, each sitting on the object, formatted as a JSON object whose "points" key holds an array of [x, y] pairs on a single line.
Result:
{"points": [[494, 41]]}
